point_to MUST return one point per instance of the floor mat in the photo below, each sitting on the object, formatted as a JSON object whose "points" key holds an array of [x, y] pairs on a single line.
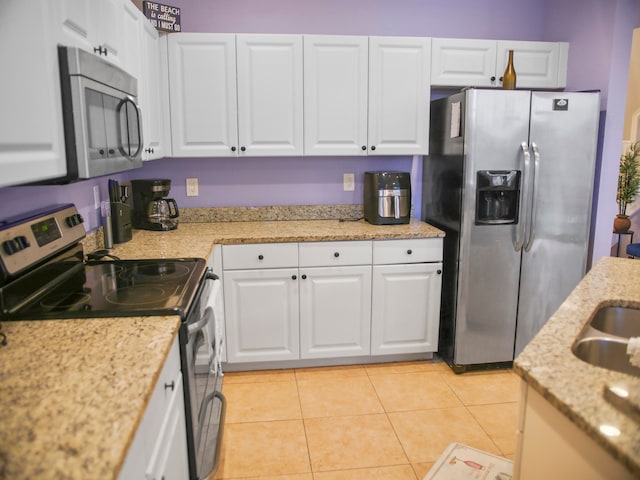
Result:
{"points": [[460, 462]]}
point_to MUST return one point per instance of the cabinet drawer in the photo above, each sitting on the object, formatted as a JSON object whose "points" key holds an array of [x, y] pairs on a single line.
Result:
{"points": [[324, 254], [259, 255], [416, 250]]}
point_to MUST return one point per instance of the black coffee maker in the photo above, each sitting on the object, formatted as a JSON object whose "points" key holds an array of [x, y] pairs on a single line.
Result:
{"points": [[151, 210]]}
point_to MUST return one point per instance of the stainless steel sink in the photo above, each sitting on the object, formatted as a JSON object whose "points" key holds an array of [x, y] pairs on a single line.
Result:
{"points": [[605, 352], [618, 321]]}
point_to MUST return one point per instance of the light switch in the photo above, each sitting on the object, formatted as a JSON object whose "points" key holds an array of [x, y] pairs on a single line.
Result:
{"points": [[349, 182], [192, 187]]}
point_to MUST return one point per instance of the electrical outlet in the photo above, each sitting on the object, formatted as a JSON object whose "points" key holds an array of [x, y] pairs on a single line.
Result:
{"points": [[96, 197], [349, 182], [192, 187]]}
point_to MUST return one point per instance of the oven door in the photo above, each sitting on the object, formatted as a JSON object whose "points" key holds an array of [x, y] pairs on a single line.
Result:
{"points": [[204, 403]]}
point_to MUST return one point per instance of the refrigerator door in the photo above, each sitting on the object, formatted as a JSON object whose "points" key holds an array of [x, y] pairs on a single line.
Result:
{"points": [[563, 138], [496, 125]]}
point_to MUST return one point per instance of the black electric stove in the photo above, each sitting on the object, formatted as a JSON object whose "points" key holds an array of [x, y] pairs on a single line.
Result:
{"points": [[45, 275]]}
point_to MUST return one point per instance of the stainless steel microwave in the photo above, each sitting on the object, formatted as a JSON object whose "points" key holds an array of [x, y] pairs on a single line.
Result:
{"points": [[102, 119]]}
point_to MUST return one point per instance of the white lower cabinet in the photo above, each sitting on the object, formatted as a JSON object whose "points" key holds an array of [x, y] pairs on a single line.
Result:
{"points": [[159, 448], [407, 281], [261, 312], [335, 311], [330, 300], [550, 446], [406, 308]]}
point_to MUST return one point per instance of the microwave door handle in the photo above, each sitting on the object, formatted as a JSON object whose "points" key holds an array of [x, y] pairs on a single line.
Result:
{"points": [[531, 231], [524, 195], [126, 152]]}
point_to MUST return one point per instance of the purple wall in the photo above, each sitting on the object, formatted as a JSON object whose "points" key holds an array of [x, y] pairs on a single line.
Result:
{"points": [[589, 25]]}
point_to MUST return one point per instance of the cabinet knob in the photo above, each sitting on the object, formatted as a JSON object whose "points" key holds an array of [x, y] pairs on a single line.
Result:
{"points": [[373, 147], [364, 147], [294, 277], [111, 151], [337, 254], [260, 257], [409, 252], [243, 149], [101, 151], [493, 79], [439, 272], [233, 149], [501, 78], [170, 385], [304, 277]]}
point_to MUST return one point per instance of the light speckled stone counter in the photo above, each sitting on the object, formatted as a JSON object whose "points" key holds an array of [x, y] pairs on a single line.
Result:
{"points": [[198, 239], [72, 393], [575, 387]]}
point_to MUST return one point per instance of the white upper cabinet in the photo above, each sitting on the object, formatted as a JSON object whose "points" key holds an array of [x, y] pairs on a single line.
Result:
{"points": [[537, 64], [461, 62], [31, 134], [399, 95], [336, 74], [153, 98], [481, 63], [93, 26], [270, 95], [202, 90]]}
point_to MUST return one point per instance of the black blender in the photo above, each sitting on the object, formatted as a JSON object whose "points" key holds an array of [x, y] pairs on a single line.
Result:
{"points": [[151, 210]]}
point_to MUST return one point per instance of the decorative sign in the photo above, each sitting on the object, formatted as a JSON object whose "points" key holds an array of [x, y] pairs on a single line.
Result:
{"points": [[164, 17]]}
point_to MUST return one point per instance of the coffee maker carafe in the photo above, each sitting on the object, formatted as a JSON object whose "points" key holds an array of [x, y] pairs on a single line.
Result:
{"points": [[151, 210]]}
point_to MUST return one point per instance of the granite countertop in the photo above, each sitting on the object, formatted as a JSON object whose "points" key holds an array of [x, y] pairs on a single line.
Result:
{"points": [[573, 386], [73, 392], [198, 239]]}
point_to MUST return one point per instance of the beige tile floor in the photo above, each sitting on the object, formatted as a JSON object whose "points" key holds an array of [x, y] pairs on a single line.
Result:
{"points": [[375, 422]]}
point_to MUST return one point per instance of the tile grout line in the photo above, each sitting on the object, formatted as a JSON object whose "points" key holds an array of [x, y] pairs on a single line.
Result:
{"points": [[304, 424]]}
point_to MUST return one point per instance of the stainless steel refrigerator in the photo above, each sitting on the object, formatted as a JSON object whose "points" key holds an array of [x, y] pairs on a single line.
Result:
{"points": [[509, 178]]}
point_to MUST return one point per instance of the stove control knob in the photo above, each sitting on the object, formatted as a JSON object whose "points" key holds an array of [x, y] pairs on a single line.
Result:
{"points": [[75, 219], [10, 247], [22, 242]]}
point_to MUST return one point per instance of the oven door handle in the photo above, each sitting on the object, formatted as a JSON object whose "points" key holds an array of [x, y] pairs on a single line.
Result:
{"points": [[200, 324]]}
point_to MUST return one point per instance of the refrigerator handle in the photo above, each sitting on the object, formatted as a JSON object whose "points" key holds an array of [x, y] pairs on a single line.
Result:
{"points": [[524, 195], [531, 231]]}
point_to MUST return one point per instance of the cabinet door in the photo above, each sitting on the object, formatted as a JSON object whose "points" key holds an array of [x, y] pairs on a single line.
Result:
{"points": [[537, 64], [169, 458], [406, 308], [202, 89], [106, 29], [335, 94], [270, 99], [335, 311], [152, 103], [131, 59], [261, 312], [31, 134], [74, 23], [399, 95], [463, 62]]}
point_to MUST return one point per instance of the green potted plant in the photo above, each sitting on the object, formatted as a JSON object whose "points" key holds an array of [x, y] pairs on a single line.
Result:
{"points": [[628, 184]]}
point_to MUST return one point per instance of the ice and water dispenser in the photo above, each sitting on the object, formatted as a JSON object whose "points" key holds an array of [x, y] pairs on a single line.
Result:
{"points": [[497, 197]]}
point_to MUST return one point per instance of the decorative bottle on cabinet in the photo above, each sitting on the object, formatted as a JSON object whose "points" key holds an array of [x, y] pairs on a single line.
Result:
{"points": [[509, 77]]}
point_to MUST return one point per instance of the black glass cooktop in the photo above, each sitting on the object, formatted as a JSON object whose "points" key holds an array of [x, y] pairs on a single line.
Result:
{"points": [[105, 289]]}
